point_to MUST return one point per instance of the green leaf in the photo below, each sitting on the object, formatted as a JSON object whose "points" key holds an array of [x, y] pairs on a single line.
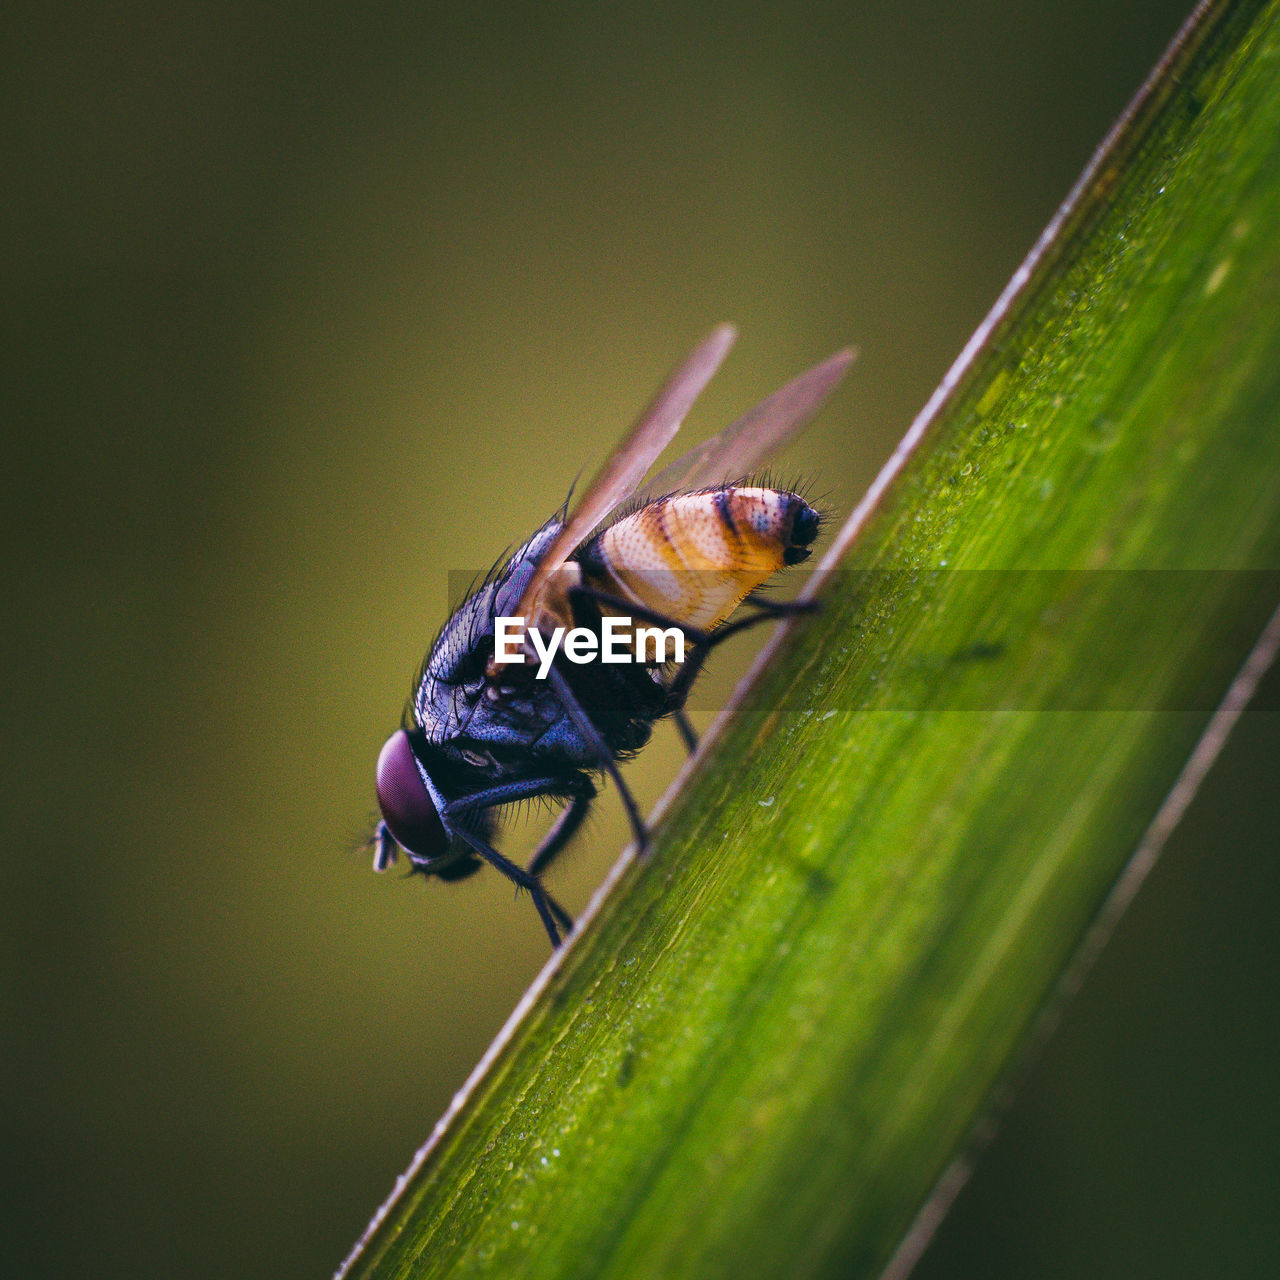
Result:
{"points": [[774, 1036]]}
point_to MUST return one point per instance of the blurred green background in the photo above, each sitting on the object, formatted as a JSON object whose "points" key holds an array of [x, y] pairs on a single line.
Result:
{"points": [[307, 306]]}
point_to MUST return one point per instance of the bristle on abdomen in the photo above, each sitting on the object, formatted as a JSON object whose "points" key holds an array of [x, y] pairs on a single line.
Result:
{"points": [[694, 557]]}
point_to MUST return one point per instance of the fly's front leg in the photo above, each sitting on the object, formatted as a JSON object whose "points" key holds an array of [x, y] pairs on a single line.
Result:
{"points": [[562, 831], [385, 848], [578, 788], [552, 914]]}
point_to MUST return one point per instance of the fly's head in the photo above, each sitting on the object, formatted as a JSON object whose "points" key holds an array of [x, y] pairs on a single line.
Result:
{"points": [[411, 807], [435, 798]]}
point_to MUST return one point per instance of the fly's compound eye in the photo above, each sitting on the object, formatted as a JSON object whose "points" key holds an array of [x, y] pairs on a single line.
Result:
{"points": [[407, 806]]}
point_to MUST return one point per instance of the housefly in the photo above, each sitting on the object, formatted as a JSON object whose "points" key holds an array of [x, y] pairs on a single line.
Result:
{"points": [[496, 720]]}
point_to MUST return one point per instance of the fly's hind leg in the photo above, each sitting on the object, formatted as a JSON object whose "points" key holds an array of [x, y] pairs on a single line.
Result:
{"points": [[766, 611], [703, 642]]}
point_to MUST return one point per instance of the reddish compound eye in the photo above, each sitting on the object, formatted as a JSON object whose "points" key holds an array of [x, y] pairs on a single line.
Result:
{"points": [[407, 807]]}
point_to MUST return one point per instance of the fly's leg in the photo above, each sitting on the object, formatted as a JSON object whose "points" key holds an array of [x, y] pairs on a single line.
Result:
{"points": [[562, 830], [702, 641], [385, 849], [552, 914], [563, 918], [629, 608], [600, 749], [688, 734], [698, 638], [766, 611], [509, 793], [579, 789]]}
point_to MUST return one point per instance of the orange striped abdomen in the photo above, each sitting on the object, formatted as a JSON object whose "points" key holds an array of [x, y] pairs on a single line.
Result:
{"points": [[694, 557]]}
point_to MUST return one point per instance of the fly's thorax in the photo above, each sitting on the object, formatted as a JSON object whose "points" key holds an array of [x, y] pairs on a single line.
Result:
{"points": [[694, 557]]}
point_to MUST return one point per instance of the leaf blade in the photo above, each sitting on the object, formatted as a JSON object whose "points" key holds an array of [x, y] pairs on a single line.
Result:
{"points": [[775, 1035]]}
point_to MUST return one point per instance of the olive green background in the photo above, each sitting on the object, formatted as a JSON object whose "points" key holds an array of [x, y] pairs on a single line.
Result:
{"points": [[306, 306]]}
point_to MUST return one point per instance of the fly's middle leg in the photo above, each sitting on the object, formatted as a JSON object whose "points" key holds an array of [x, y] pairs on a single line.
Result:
{"points": [[600, 749]]}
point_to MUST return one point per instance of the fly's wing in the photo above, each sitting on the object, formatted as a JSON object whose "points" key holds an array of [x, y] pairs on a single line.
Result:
{"points": [[745, 445], [620, 476]]}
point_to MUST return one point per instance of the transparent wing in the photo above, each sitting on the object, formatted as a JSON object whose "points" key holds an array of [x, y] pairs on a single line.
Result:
{"points": [[620, 476], [744, 446]]}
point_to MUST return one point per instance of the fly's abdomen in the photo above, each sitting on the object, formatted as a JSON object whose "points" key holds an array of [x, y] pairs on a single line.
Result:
{"points": [[694, 557]]}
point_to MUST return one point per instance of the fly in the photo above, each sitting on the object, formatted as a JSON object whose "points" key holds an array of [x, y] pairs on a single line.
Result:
{"points": [[491, 724]]}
